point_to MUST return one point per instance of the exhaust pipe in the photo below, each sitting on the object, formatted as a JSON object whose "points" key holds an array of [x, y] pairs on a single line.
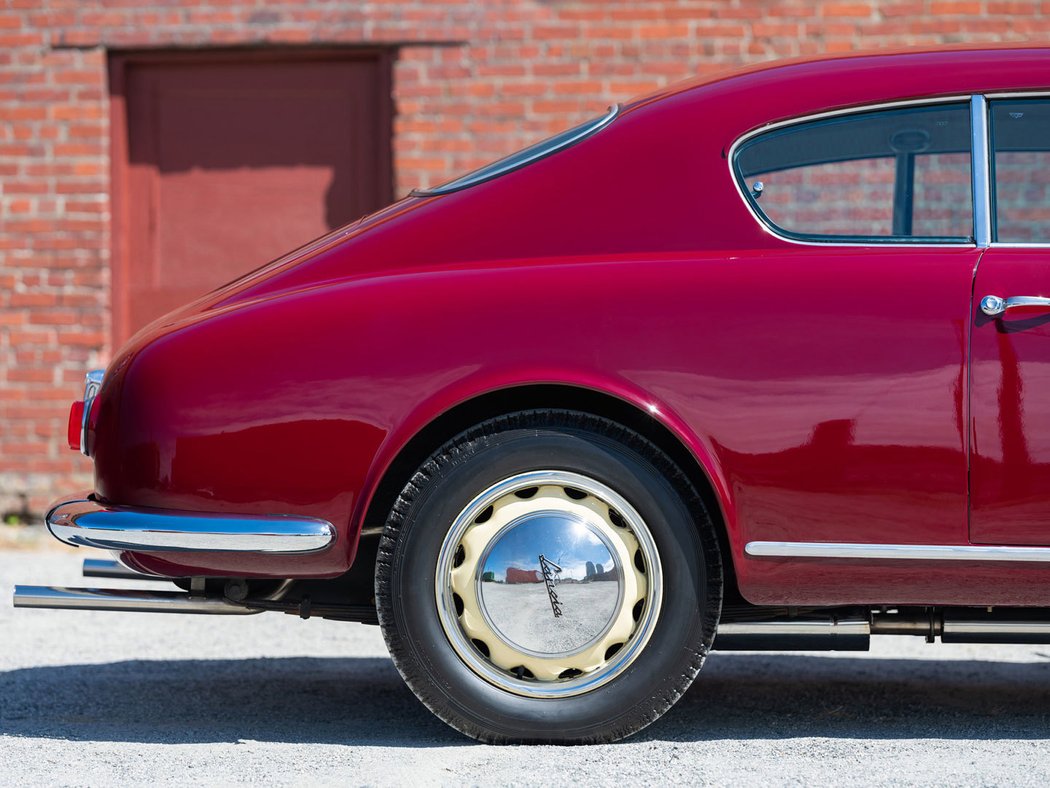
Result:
{"points": [[851, 629], [795, 633], [114, 570], [125, 599], [1000, 626], [967, 625]]}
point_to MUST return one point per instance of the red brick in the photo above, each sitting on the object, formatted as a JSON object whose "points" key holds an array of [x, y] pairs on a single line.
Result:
{"points": [[22, 112], [77, 112], [30, 375], [969, 8], [92, 77], [663, 32], [11, 40], [31, 299], [846, 9], [91, 338]]}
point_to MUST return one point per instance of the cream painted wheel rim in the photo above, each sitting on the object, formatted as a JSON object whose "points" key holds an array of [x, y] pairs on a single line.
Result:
{"points": [[548, 584]]}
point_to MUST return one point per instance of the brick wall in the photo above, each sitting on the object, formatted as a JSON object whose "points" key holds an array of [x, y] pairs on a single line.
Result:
{"points": [[472, 81]]}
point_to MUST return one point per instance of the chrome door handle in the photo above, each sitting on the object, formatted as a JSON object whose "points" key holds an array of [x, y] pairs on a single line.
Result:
{"points": [[993, 306]]}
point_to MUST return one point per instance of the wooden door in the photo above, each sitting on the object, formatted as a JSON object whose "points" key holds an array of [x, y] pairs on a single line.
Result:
{"points": [[224, 162]]}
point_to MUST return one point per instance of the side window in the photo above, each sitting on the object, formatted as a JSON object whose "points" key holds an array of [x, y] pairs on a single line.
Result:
{"points": [[887, 175], [1020, 132]]}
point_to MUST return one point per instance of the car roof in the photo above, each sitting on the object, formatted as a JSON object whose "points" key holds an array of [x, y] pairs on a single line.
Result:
{"points": [[768, 93]]}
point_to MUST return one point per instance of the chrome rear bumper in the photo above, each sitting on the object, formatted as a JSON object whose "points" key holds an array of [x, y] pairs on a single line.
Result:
{"points": [[85, 522]]}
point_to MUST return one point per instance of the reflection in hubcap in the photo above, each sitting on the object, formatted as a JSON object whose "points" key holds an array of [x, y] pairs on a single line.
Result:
{"points": [[548, 584], [558, 611]]}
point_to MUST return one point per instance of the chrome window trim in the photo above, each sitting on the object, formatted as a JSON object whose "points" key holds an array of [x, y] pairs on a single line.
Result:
{"points": [[980, 170], [85, 522], [993, 95], [92, 383], [771, 229], [471, 179], [895, 552]]}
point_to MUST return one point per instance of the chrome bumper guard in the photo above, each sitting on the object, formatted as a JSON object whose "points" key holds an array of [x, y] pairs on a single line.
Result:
{"points": [[86, 522]]}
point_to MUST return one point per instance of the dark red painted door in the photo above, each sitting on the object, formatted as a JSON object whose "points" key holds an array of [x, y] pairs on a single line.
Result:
{"points": [[1010, 402], [232, 162], [1010, 348]]}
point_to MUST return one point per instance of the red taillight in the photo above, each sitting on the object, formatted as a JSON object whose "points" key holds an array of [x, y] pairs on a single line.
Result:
{"points": [[76, 424]]}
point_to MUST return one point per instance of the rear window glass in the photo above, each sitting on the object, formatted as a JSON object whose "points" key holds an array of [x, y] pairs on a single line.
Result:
{"points": [[526, 156], [900, 175]]}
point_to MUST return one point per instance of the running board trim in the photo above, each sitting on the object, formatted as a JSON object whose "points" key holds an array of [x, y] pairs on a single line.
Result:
{"points": [[88, 523], [124, 599], [897, 552]]}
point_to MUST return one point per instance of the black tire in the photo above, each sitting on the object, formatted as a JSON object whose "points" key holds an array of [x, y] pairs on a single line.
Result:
{"points": [[685, 538]]}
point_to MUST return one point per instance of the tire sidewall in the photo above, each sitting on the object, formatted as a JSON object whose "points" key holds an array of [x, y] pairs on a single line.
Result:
{"points": [[630, 700]]}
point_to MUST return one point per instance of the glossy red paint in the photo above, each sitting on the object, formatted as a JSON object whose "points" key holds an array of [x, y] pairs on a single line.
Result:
{"points": [[1009, 407], [821, 390]]}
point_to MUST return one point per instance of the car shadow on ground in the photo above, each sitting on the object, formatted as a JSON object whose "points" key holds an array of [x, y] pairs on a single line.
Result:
{"points": [[362, 701], [774, 696]]}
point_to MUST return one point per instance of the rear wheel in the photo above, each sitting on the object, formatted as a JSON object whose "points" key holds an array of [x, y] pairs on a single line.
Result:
{"points": [[548, 576]]}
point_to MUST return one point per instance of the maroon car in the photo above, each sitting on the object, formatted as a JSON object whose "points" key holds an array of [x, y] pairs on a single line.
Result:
{"points": [[757, 362]]}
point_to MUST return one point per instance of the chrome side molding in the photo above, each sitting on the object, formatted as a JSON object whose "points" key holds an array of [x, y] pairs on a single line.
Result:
{"points": [[88, 523], [897, 552], [125, 599]]}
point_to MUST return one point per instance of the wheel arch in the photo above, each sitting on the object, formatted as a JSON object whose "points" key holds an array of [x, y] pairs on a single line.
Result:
{"points": [[700, 470]]}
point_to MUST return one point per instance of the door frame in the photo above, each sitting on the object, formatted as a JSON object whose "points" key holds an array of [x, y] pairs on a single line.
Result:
{"points": [[119, 64]]}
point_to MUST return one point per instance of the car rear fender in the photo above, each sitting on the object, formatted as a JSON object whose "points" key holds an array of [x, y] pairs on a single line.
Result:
{"points": [[481, 396]]}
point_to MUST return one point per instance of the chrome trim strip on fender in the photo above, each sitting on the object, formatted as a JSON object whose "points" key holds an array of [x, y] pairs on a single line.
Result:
{"points": [[981, 171], [88, 523], [897, 552]]}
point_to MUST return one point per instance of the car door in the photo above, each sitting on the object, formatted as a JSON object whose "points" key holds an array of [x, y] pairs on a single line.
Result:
{"points": [[847, 418], [1010, 345]]}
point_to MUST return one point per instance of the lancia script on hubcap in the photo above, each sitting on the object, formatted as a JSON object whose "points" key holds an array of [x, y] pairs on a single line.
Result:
{"points": [[549, 568]]}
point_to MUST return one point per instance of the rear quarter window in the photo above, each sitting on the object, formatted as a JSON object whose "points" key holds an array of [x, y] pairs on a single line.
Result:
{"points": [[895, 175]]}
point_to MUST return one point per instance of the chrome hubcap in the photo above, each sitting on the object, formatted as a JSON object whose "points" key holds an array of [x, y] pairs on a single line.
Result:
{"points": [[548, 584]]}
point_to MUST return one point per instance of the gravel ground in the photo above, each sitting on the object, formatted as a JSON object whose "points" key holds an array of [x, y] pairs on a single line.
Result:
{"points": [[92, 698]]}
